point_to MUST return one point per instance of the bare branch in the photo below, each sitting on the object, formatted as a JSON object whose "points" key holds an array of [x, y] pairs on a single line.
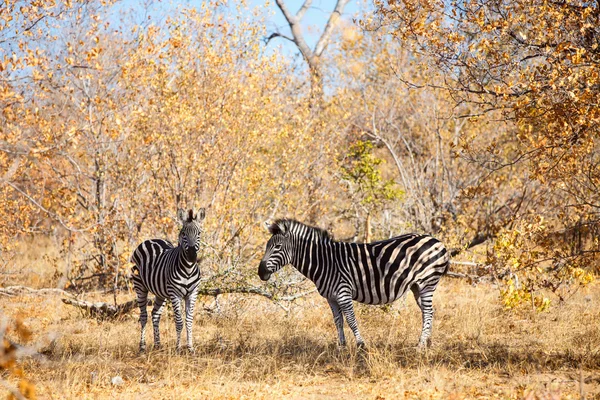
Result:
{"points": [[276, 35], [303, 9], [296, 29], [477, 240], [460, 275], [333, 19]]}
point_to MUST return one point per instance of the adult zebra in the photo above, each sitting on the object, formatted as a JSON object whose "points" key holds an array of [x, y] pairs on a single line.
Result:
{"points": [[371, 273], [169, 272]]}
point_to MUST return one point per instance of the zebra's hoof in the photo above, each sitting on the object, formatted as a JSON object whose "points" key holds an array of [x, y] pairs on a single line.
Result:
{"points": [[142, 349], [185, 350], [424, 345], [361, 346], [157, 347]]}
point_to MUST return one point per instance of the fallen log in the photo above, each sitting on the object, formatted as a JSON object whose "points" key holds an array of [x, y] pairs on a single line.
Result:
{"points": [[15, 290], [107, 311], [102, 310]]}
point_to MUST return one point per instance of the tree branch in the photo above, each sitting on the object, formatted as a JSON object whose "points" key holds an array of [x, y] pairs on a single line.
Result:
{"points": [[477, 240], [303, 9], [294, 23], [333, 19], [277, 34]]}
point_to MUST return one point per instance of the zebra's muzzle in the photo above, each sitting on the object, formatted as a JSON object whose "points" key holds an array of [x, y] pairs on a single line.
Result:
{"points": [[191, 255], [263, 272]]}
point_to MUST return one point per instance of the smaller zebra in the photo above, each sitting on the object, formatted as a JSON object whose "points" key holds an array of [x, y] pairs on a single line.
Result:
{"points": [[169, 272]]}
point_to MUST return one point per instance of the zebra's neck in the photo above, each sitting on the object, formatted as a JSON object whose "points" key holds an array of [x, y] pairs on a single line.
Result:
{"points": [[315, 256], [182, 262]]}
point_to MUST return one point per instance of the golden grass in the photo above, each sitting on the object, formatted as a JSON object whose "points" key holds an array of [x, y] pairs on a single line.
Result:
{"points": [[253, 349]]}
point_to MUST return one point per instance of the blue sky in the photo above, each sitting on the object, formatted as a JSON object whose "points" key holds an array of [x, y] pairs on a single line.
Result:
{"points": [[313, 22]]}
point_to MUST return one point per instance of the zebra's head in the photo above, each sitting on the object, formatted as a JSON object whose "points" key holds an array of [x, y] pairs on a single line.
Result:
{"points": [[189, 235], [278, 252]]}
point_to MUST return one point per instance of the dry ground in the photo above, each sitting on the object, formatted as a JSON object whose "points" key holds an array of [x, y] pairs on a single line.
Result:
{"points": [[253, 349]]}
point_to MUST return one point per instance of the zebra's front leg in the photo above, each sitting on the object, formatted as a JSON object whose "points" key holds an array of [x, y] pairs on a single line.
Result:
{"points": [[176, 301], [157, 310], [142, 300], [338, 319], [345, 304], [190, 303]]}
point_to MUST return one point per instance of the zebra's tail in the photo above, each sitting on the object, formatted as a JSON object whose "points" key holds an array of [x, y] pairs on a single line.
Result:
{"points": [[447, 266], [135, 272]]}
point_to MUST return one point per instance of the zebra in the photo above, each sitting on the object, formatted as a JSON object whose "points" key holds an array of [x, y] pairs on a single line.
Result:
{"points": [[169, 272], [370, 273]]}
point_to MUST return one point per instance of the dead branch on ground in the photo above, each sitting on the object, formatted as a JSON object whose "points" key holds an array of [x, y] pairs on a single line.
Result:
{"points": [[107, 311]]}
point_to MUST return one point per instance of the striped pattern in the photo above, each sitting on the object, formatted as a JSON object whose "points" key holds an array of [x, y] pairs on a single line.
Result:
{"points": [[370, 273], [170, 273]]}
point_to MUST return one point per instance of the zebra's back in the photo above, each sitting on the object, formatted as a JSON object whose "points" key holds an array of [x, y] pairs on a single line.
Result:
{"points": [[152, 261], [385, 270]]}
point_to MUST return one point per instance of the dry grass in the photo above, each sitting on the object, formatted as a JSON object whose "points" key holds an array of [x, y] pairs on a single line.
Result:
{"points": [[254, 350]]}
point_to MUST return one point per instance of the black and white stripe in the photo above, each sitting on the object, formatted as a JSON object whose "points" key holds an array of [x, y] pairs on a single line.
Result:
{"points": [[370, 273], [170, 273]]}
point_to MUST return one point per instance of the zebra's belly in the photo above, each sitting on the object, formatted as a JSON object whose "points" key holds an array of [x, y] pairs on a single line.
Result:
{"points": [[376, 299], [387, 273], [159, 289]]}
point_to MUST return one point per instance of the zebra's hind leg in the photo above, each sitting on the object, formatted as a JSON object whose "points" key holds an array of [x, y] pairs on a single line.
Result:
{"points": [[159, 305], [176, 301], [345, 304], [338, 319], [424, 301], [142, 300], [190, 303]]}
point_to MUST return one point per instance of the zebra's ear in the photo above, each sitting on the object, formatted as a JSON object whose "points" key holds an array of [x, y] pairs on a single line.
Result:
{"points": [[200, 214], [278, 227], [181, 215]]}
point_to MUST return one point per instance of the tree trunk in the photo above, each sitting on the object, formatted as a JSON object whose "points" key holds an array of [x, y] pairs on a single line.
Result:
{"points": [[368, 231]]}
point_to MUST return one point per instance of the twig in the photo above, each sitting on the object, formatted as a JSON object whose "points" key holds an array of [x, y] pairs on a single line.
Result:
{"points": [[460, 275], [468, 263]]}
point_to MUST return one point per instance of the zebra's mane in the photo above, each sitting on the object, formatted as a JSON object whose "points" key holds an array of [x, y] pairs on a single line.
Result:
{"points": [[284, 225]]}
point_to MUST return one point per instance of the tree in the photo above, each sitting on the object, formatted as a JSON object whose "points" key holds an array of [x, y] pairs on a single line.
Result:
{"points": [[360, 168], [535, 66], [124, 127]]}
